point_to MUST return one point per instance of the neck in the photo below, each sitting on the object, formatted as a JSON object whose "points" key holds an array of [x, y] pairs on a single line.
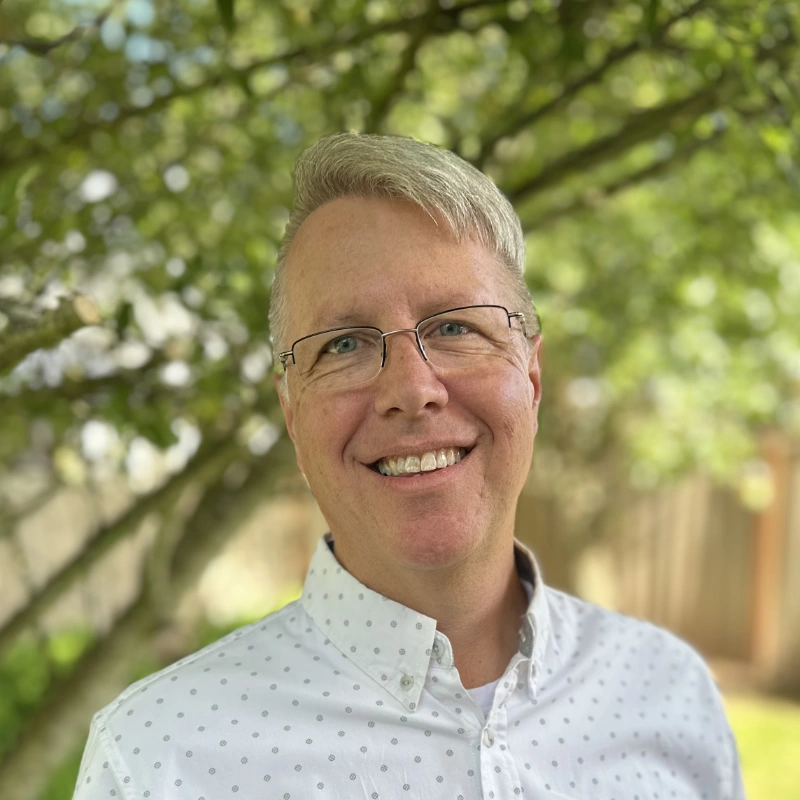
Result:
{"points": [[478, 605], [485, 641]]}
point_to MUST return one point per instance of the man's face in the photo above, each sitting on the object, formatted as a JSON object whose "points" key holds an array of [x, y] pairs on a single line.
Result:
{"points": [[386, 263]]}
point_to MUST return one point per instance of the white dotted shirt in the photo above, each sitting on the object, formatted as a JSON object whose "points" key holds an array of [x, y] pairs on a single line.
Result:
{"points": [[347, 694]]}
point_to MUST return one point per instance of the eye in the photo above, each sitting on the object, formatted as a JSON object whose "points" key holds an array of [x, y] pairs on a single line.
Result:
{"points": [[341, 345], [452, 328]]}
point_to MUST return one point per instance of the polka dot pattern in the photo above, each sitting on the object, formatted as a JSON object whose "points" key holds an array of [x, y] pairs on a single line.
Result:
{"points": [[345, 693]]}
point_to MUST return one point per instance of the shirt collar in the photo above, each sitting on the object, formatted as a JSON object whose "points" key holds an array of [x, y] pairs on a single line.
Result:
{"points": [[535, 630], [393, 643]]}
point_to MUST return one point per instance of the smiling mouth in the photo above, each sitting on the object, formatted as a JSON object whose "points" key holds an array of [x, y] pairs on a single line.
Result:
{"points": [[414, 465]]}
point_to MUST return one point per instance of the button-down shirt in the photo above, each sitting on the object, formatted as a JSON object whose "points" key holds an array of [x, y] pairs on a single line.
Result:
{"points": [[345, 693]]}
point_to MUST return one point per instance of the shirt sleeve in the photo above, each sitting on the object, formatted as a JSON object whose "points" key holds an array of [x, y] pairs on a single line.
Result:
{"points": [[737, 785], [731, 771], [97, 779]]}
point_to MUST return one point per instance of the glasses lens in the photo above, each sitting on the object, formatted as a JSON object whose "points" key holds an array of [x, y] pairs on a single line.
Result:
{"points": [[460, 339], [335, 359]]}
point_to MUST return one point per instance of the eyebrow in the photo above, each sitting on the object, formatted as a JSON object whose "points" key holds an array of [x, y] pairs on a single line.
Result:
{"points": [[351, 318]]}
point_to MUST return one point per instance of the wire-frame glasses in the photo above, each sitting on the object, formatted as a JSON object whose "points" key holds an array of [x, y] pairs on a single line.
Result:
{"points": [[456, 339]]}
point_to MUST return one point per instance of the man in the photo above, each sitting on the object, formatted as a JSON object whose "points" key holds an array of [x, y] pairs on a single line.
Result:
{"points": [[426, 658]]}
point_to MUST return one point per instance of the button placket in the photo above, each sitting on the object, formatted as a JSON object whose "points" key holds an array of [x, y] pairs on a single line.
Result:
{"points": [[499, 773], [488, 736]]}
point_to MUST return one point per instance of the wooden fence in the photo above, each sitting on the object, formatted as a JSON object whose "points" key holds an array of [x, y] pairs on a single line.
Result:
{"points": [[692, 558], [689, 557]]}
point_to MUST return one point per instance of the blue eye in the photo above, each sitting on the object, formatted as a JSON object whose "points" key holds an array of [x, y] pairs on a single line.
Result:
{"points": [[342, 345], [452, 329]]}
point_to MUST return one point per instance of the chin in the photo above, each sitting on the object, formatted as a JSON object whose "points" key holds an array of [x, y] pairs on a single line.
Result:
{"points": [[433, 545]]}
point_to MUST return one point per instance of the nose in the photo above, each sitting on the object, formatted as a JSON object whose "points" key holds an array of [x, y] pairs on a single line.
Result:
{"points": [[407, 384]]}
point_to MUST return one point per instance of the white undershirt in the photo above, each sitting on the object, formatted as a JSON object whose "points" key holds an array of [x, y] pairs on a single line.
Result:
{"points": [[484, 695]]}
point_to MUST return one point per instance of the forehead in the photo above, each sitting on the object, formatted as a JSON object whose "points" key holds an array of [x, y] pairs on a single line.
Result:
{"points": [[384, 262]]}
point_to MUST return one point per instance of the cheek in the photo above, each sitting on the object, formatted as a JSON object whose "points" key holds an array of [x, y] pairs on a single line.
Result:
{"points": [[511, 423], [325, 425], [514, 420], [504, 401]]}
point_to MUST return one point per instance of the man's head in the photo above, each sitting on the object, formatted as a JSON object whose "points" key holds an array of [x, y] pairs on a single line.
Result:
{"points": [[359, 165], [385, 232]]}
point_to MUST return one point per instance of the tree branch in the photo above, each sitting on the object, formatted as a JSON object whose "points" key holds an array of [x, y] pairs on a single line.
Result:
{"points": [[223, 509], [210, 460], [614, 56], [638, 127], [684, 152], [10, 519], [51, 734], [48, 330], [382, 104], [591, 197], [31, 401], [442, 22], [42, 47]]}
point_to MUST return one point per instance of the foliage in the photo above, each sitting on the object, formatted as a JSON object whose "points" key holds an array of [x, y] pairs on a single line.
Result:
{"points": [[650, 150], [61, 784], [28, 671], [145, 168]]}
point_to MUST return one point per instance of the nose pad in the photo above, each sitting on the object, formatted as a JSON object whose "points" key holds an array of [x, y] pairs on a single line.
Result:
{"points": [[410, 383], [420, 349]]}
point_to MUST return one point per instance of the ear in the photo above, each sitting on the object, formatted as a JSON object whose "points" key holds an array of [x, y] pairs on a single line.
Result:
{"points": [[288, 414], [535, 373]]}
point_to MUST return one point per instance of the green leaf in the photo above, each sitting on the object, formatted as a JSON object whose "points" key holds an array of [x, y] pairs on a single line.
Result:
{"points": [[13, 188], [227, 14]]}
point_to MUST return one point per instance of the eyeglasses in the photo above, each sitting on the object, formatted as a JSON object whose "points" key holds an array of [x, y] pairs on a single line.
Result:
{"points": [[457, 339]]}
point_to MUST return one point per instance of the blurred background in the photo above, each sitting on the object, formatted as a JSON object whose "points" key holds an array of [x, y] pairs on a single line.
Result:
{"points": [[149, 501]]}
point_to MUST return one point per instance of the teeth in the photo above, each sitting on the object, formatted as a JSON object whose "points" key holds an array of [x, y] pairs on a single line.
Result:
{"points": [[412, 464], [427, 462]]}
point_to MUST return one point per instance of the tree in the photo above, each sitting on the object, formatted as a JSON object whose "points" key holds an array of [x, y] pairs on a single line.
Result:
{"points": [[649, 148]]}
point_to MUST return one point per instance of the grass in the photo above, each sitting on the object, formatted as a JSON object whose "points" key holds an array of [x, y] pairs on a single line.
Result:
{"points": [[768, 735]]}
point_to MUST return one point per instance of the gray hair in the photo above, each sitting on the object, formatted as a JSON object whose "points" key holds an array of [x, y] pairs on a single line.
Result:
{"points": [[367, 165]]}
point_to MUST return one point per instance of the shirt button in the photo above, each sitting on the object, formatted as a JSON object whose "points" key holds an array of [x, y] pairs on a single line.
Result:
{"points": [[436, 651], [488, 737], [406, 682]]}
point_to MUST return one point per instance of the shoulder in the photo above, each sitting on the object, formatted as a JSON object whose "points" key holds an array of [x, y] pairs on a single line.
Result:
{"points": [[634, 664], [637, 681], [583, 630], [257, 645]]}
